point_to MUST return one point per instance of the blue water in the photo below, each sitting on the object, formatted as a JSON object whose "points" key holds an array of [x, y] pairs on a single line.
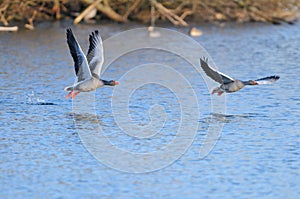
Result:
{"points": [[256, 156]]}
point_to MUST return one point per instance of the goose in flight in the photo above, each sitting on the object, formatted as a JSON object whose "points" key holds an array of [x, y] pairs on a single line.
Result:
{"points": [[87, 68], [228, 84]]}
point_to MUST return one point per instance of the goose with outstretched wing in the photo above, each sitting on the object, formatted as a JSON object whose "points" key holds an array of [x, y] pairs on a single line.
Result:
{"points": [[228, 84], [87, 68]]}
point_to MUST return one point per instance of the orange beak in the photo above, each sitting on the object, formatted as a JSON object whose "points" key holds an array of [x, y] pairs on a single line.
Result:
{"points": [[117, 83]]}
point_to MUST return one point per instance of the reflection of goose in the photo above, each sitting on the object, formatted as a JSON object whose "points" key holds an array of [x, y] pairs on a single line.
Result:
{"points": [[229, 84], [87, 68]]}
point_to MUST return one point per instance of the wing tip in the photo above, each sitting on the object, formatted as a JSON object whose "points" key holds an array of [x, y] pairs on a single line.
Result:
{"points": [[204, 60], [94, 33], [70, 35], [273, 77], [94, 40], [69, 31]]}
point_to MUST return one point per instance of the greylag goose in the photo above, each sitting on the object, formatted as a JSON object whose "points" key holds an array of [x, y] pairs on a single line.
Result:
{"points": [[229, 84], [87, 68]]}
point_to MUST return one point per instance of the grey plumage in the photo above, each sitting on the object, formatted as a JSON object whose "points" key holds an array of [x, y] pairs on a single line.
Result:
{"points": [[228, 84], [87, 68]]}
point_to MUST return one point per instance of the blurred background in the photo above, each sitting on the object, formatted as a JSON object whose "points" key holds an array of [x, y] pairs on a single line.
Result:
{"points": [[178, 12]]}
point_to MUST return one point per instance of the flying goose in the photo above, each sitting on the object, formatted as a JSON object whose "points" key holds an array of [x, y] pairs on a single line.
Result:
{"points": [[87, 68], [229, 84]]}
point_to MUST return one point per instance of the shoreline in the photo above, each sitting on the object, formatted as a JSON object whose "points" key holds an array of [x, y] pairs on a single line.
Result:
{"points": [[175, 12], [202, 27]]}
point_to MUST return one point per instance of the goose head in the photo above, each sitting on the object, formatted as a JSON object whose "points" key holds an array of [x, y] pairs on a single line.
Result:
{"points": [[110, 82], [250, 82]]}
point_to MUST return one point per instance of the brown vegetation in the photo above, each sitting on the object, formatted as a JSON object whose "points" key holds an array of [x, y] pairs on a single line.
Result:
{"points": [[178, 12]]}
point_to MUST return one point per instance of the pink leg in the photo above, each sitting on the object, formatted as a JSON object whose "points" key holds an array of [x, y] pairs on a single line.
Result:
{"points": [[214, 91], [74, 94], [70, 93]]}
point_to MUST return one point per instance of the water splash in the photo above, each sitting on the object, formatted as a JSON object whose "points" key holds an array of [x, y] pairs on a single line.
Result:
{"points": [[32, 99]]}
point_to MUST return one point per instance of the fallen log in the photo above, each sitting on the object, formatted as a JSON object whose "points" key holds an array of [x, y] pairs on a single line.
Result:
{"points": [[105, 8], [86, 12], [9, 29], [175, 19]]}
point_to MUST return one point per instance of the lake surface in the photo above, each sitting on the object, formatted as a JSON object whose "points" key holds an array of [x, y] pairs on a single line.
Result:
{"points": [[253, 146]]}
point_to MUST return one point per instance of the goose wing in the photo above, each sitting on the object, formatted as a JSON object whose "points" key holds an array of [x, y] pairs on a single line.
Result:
{"points": [[267, 80], [95, 55], [213, 74], [81, 66]]}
